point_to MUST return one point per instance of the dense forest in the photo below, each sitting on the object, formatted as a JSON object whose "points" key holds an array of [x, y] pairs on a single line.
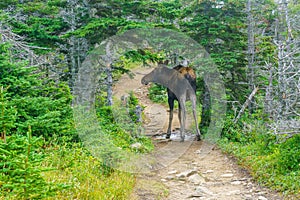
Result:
{"points": [[44, 43]]}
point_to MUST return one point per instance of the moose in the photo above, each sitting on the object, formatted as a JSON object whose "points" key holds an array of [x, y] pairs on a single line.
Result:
{"points": [[181, 86]]}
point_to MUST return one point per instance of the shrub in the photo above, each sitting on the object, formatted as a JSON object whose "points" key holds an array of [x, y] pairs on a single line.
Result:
{"points": [[273, 163], [38, 102], [121, 129], [20, 169], [157, 93]]}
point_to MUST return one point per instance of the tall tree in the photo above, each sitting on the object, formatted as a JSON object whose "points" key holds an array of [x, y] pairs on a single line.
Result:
{"points": [[218, 26], [251, 52], [75, 14]]}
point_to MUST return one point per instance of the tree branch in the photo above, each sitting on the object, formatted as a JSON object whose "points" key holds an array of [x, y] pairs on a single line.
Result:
{"points": [[245, 104]]}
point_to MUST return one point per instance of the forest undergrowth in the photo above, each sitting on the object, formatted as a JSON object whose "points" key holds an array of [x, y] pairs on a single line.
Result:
{"points": [[272, 160], [41, 154], [34, 168]]}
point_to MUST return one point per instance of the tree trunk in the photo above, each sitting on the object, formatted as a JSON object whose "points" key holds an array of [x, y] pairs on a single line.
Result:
{"points": [[108, 70], [206, 110], [109, 83], [251, 54]]}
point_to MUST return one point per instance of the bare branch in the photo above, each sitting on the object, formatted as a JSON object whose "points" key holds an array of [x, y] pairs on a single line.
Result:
{"points": [[246, 104]]}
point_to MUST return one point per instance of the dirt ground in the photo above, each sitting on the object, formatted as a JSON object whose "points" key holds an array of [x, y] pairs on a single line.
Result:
{"points": [[188, 170]]}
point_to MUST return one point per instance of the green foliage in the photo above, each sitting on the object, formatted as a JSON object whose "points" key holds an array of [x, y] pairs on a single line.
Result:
{"points": [[158, 93], [5, 3], [28, 97], [119, 123], [40, 24], [169, 10], [33, 100], [48, 117], [144, 56], [133, 102], [76, 167], [219, 29], [43, 30], [20, 169], [234, 132], [7, 114], [98, 28], [270, 162]]}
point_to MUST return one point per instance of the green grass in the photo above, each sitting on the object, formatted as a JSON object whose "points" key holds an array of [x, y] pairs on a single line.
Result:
{"points": [[31, 169], [84, 176], [272, 162], [69, 170], [119, 125]]}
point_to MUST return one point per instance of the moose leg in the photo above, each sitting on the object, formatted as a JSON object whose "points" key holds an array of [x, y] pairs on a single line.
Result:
{"points": [[182, 119], [171, 106], [193, 100], [179, 113]]}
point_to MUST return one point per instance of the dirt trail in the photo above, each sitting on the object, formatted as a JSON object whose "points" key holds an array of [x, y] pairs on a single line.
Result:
{"points": [[192, 175]]}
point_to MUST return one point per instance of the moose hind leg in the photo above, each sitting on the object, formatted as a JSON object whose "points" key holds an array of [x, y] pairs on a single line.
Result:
{"points": [[171, 106], [179, 113], [182, 115]]}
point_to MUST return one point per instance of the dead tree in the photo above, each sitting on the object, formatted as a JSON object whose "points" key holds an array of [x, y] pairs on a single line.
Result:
{"points": [[286, 96]]}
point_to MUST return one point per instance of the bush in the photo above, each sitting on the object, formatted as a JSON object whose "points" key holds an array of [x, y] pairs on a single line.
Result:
{"points": [[158, 93], [233, 132], [273, 163], [36, 101], [121, 129], [20, 169]]}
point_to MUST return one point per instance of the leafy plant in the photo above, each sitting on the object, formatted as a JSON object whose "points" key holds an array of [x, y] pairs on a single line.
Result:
{"points": [[157, 93], [133, 103]]}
